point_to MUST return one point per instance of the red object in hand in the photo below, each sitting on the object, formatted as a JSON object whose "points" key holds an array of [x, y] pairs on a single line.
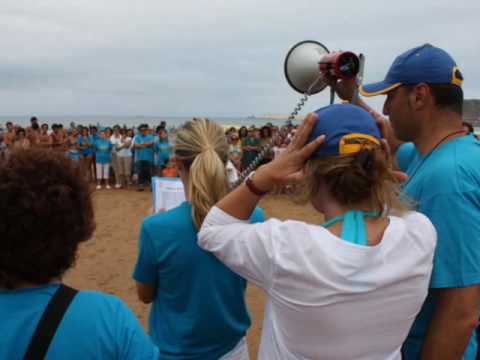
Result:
{"points": [[340, 65]]}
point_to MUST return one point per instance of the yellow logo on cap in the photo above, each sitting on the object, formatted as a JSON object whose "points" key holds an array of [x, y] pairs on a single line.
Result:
{"points": [[354, 143], [457, 77]]}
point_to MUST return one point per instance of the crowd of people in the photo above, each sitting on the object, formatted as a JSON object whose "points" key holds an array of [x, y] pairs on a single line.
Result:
{"points": [[119, 156], [393, 272]]}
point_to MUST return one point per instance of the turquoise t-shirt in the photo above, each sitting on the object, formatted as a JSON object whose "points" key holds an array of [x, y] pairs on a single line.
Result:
{"points": [[103, 151], [199, 311], [446, 188], [164, 151], [93, 139], [84, 141], [249, 155], [145, 154], [95, 326]]}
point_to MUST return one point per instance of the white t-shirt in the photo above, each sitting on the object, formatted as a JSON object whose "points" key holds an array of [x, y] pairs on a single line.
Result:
{"points": [[125, 152], [232, 173], [328, 298], [116, 142]]}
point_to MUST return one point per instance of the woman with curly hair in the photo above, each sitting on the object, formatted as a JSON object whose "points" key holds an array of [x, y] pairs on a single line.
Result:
{"points": [[45, 213]]}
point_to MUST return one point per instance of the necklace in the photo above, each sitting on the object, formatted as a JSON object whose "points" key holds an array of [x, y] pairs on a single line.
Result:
{"points": [[430, 153]]}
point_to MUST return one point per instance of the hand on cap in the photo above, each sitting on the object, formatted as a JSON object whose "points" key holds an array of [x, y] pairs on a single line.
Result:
{"points": [[289, 167]]}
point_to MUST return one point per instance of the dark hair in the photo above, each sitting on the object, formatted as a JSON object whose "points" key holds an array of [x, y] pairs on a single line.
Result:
{"points": [[446, 96], [33, 118], [21, 130], [268, 130], [242, 132], [468, 126], [43, 217]]}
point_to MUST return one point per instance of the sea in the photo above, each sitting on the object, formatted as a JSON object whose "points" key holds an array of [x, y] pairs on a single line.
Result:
{"points": [[135, 121]]}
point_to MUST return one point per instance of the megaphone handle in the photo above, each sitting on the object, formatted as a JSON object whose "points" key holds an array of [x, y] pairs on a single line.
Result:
{"points": [[332, 95], [256, 162], [359, 80]]}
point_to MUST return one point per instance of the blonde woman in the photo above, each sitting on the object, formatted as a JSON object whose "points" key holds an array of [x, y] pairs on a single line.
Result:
{"points": [[198, 310], [346, 289]]}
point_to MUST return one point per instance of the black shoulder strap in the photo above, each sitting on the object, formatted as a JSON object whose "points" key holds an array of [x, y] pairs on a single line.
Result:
{"points": [[49, 322]]}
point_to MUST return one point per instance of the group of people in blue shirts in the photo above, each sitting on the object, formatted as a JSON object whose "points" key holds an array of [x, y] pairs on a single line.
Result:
{"points": [[150, 153]]}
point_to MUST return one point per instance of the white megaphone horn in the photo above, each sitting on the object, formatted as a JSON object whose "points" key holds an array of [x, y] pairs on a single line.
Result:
{"points": [[309, 65]]}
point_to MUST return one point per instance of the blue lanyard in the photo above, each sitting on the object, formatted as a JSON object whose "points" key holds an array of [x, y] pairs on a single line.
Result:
{"points": [[353, 229]]}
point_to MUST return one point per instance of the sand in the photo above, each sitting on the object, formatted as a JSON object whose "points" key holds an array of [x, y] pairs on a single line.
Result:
{"points": [[106, 261]]}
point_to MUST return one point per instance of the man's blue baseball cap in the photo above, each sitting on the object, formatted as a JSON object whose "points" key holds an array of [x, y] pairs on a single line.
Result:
{"points": [[423, 64], [348, 129]]}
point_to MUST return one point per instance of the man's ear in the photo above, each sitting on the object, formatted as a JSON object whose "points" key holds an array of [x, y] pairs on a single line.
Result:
{"points": [[419, 96]]}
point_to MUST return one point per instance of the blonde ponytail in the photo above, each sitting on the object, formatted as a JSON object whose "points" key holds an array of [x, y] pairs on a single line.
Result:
{"points": [[202, 148]]}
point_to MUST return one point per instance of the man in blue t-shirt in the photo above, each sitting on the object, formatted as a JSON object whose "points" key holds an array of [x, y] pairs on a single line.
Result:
{"points": [[143, 144], [424, 105]]}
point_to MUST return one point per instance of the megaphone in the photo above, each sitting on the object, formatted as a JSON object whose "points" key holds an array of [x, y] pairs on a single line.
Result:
{"points": [[307, 67], [309, 64]]}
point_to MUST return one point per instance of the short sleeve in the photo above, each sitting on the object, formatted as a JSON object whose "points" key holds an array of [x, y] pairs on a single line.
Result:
{"points": [[145, 270], [131, 340], [457, 256], [405, 155]]}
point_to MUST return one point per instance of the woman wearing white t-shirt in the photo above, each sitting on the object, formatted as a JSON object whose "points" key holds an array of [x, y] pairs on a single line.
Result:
{"points": [[116, 140], [346, 289], [124, 155]]}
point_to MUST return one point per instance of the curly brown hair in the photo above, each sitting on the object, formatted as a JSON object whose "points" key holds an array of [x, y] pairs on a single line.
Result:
{"points": [[45, 212]]}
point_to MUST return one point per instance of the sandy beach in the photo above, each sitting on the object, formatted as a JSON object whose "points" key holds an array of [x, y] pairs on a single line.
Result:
{"points": [[106, 261]]}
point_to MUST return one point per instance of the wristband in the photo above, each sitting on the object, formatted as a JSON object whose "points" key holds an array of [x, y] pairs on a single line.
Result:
{"points": [[251, 186]]}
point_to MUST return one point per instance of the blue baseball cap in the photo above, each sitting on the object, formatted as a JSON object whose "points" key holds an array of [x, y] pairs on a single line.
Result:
{"points": [[347, 128], [423, 64]]}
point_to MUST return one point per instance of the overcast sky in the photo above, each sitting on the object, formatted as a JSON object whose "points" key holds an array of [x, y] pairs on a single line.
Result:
{"points": [[216, 58]]}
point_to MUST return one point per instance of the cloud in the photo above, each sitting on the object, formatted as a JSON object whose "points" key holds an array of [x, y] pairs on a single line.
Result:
{"points": [[204, 57]]}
